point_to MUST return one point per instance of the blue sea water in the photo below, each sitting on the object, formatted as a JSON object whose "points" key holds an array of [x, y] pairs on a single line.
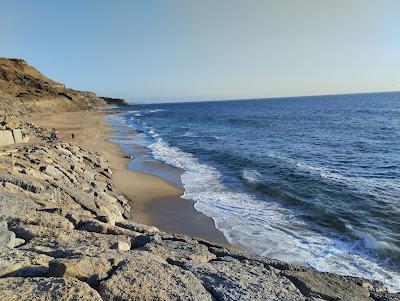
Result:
{"points": [[313, 180]]}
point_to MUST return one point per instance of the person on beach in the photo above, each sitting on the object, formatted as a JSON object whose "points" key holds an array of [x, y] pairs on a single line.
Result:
{"points": [[55, 135]]}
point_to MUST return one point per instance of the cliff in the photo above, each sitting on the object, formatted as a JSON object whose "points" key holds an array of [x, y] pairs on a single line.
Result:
{"points": [[23, 89], [114, 101]]}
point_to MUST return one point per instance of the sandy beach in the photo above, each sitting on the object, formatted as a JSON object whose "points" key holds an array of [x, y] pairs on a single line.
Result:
{"points": [[155, 201]]}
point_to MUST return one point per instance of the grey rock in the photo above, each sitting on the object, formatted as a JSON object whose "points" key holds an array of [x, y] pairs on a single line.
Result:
{"points": [[18, 242], [17, 135], [41, 218], [99, 227], [22, 182], [386, 296], [146, 277], [177, 250], [88, 269], [231, 279], [6, 138], [7, 237], [122, 245], [46, 289], [327, 286], [52, 171], [268, 262], [21, 263], [137, 227], [141, 240]]}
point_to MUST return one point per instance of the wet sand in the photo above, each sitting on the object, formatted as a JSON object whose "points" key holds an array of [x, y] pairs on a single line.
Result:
{"points": [[155, 201]]}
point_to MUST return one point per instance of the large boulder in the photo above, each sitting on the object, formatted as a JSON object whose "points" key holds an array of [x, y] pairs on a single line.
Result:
{"points": [[332, 287], [89, 269], [146, 277], [6, 138], [46, 289], [231, 279]]}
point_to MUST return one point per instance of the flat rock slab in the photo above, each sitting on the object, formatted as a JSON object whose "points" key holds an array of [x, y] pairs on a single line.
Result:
{"points": [[328, 286], [88, 269], [147, 277], [46, 289], [190, 250], [6, 138], [17, 135], [231, 279]]}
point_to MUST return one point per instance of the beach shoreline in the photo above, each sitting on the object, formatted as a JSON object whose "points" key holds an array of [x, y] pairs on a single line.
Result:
{"points": [[154, 200]]}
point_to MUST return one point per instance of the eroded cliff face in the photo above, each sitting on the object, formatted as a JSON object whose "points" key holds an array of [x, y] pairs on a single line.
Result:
{"points": [[23, 89]]}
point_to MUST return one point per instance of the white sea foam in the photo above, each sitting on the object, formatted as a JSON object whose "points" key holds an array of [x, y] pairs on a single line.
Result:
{"points": [[145, 111], [251, 176], [189, 134], [263, 226], [323, 172], [371, 242]]}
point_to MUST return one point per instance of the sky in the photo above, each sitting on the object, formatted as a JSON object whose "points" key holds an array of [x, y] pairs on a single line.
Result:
{"points": [[186, 50]]}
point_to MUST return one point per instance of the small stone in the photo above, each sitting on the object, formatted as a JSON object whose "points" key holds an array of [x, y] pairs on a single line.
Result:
{"points": [[122, 246]]}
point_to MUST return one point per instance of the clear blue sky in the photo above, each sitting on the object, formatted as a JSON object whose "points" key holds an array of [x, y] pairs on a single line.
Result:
{"points": [[208, 49]]}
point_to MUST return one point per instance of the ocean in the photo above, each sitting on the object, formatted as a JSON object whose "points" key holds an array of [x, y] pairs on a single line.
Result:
{"points": [[310, 180]]}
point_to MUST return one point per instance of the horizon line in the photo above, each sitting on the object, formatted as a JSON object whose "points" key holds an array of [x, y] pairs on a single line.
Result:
{"points": [[263, 98]]}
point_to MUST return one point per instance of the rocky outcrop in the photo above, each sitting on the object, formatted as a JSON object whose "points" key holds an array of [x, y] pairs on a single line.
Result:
{"points": [[45, 289], [11, 131], [23, 89], [66, 234], [114, 101]]}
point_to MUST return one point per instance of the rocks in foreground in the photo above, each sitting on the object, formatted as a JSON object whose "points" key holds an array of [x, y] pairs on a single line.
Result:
{"points": [[66, 234], [60, 289]]}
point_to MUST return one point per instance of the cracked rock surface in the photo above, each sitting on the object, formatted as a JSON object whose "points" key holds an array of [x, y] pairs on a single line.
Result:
{"points": [[66, 234]]}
